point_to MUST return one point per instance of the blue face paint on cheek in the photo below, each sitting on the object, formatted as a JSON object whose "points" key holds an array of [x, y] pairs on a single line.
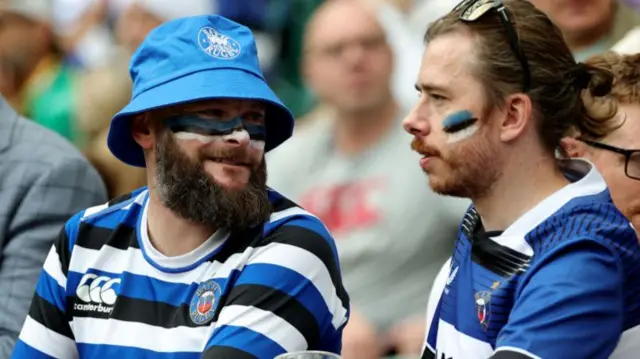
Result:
{"points": [[458, 121]]}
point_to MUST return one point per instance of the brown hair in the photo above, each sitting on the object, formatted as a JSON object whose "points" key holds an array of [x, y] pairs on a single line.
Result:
{"points": [[626, 74], [565, 95]]}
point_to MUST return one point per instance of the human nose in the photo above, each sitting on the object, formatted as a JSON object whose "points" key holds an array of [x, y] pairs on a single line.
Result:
{"points": [[238, 138], [415, 124]]}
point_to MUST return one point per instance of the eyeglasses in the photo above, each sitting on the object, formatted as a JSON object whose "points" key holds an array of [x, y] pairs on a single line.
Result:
{"points": [[632, 158], [472, 10]]}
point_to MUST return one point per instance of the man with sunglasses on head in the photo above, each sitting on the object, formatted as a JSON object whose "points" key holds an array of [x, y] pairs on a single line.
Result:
{"points": [[545, 266], [617, 155], [205, 262]]}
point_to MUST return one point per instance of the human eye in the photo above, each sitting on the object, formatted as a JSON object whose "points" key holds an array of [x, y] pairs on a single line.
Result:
{"points": [[256, 117], [436, 98], [211, 114]]}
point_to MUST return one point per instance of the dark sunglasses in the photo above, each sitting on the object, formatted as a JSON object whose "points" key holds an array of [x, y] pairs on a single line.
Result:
{"points": [[472, 10], [631, 157]]}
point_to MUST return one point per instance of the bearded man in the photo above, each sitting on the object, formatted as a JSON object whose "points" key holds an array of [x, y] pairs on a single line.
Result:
{"points": [[205, 262]]}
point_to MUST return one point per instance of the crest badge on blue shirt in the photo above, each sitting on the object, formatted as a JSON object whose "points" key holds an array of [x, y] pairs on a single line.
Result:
{"points": [[204, 302]]}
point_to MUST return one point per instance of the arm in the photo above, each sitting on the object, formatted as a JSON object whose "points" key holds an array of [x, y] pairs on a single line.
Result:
{"points": [[289, 297], [570, 306], [46, 332], [51, 200]]}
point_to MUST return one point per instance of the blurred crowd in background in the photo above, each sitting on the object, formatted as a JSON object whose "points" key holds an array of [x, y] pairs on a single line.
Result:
{"points": [[346, 68]]}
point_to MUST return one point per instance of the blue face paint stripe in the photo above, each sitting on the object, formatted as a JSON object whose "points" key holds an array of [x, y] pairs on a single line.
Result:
{"points": [[458, 121], [195, 124]]}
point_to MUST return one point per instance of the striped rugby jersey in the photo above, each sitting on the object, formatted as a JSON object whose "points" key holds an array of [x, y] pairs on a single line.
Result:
{"points": [[563, 281], [105, 292]]}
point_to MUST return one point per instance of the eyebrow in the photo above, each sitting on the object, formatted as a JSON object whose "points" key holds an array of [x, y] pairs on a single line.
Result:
{"points": [[425, 87]]}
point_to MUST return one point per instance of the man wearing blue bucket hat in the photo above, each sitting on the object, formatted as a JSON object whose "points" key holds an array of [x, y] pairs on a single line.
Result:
{"points": [[206, 261]]}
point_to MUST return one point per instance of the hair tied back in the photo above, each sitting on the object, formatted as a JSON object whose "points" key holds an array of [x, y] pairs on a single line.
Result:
{"points": [[581, 76]]}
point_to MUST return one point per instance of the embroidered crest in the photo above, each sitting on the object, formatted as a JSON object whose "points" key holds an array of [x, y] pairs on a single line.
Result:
{"points": [[483, 308], [204, 302], [218, 45]]}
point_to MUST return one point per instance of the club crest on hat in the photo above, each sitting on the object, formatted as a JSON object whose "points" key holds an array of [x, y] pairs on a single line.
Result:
{"points": [[204, 302], [218, 45]]}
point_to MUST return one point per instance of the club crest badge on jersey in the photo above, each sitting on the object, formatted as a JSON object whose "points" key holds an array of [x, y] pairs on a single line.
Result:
{"points": [[483, 308], [483, 305], [204, 302]]}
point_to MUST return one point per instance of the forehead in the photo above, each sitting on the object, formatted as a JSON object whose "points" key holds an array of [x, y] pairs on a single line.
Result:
{"points": [[225, 104], [447, 62], [341, 21], [628, 135]]}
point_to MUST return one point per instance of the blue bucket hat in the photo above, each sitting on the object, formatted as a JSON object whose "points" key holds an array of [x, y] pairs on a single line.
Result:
{"points": [[191, 59]]}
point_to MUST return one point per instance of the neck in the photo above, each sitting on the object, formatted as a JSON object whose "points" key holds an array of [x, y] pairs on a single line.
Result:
{"points": [[172, 235], [356, 132], [521, 187]]}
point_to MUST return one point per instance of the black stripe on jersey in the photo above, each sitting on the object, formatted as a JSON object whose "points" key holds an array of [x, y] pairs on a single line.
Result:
{"points": [[62, 249], [427, 354], [94, 237], [281, 204], [50, 316], [157, 314], [314, 243], [280, 304], [119, 199], [508, 354], [220, 352], [497, 258]]}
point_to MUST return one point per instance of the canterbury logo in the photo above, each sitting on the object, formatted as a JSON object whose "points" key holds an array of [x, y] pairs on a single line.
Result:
{"points": [[98, 292]]}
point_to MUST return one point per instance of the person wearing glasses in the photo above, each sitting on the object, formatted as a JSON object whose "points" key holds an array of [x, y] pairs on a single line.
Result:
{"points": [[617, 155], [545, 265]]}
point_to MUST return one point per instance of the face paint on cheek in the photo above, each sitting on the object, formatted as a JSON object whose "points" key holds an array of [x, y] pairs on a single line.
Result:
{"points": [[459, 126], [206, 139]]}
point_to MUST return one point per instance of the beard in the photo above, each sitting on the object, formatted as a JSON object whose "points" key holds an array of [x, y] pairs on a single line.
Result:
{"points": [[468, 169], [191, 193]]}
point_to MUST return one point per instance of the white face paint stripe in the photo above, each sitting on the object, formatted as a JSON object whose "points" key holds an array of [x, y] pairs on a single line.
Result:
{"points": [[240, 135], [256, 144], [462, 134], [198, 137], [237, 135]]}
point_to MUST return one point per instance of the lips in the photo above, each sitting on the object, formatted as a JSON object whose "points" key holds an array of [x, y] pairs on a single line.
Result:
{"points": [[229, 161]]}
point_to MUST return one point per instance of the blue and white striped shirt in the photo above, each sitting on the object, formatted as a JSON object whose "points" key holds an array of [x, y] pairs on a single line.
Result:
{"points": [[105, 292]]}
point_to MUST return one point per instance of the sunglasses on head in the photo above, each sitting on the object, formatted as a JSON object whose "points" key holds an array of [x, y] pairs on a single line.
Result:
{"points": [[472, 10]]}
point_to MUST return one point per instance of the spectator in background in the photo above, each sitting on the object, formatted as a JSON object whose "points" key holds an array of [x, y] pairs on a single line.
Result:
{"points": [[590, 27], [33, 75], [354, 169], [44, 181], [617, 155]]}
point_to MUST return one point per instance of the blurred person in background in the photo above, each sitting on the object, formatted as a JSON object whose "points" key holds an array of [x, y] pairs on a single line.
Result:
{"points": [[33, 75], [590, 27], [617, 155], [44, 181], [354, 170], [545, 265]]}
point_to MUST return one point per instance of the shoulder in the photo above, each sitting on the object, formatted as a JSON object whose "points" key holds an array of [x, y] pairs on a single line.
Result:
{"points": [[292, 234], [598, 221], [38, 152], [290, 223], [94, 224]]}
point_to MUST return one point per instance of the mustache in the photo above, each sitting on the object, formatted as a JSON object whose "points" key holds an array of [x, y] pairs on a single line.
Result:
{"points": [[238, 154], [424, 149]]}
